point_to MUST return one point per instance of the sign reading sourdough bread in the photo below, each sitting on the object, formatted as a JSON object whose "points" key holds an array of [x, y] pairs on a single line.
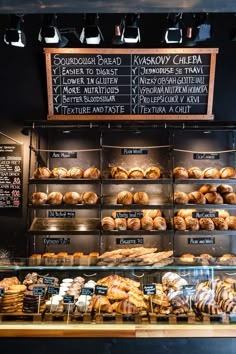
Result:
{"points": [[134, 84]]}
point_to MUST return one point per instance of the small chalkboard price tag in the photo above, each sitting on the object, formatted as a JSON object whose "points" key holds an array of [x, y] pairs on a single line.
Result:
{"points": [[133, 151], [63, 155], [87, 291], [129, 214], [61, 214], [149, 289], [48, 280], [189, 290], [205, 214], [234, 286], [56, 241], [38, 291], [206, 156], [2, 292], [68, 299], [201, 240], [130, 241], [101, 289], [53, 290]]}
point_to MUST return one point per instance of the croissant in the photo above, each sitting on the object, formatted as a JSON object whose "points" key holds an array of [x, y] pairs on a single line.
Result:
{"points": [[115, 293], [102, 303], [125, 307]]}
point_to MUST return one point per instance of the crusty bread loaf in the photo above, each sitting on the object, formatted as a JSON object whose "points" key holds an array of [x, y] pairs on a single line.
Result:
{"points": [[195, 172], [227, 172], [180, 172], [222, 213], [125, 198], [220, 224], [180, 198], [187, 258], [196, 197], [152, 212], [120, 224], [211, 173], [229, 198], [136, 172], [71, 198], [179, 223], [206, 224], [59, 172], [184, 213], [133, 224], [231, 220], [92, 173], [141, 198], [108, 223], [75, 172], [146, 223], [42, 172], [214, 198], [152, 172], [119, 172], [39, 198], [208, 188], [192, 223], [89, 198], [224, 188], [55, 198], [159, 223]]}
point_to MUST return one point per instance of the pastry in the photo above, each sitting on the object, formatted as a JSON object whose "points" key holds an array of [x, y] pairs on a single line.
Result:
{"points": [[108, 223], [152, 212], [187, 258], [206, 224], [92, 173], [59, 172], [133, 224], [147, 223], [141, 198], [55, 198], [195, 172], [159, 223], [125, 198], [180, 198], [180, 172], [119, 172], [35, 259], [136, 172], [220, 224], [192, 224], [152, 172], [75, 172], [39, 198], [208, 188], [120, 224], [179, 223], [196, 197], [227, 172], [211, 173], [89, 198], [231, 220], [214, 198], [71, 198], [229, 198], [42, 172]]}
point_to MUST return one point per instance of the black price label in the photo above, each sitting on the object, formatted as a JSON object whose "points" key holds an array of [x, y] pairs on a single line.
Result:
{"points": [[68, 299], [2, 291], [149, 289], [206, 156], [87, 291], [130, 241], [63, 155], [133, 151], [129, 214], [56, 241], [189, 290], [101, 289], [61, 214], [53, 290], [38, 291], [48, 280], [201, 241], [235, 286], [205, 214]]}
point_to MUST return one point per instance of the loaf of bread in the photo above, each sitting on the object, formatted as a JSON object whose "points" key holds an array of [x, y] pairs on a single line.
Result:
{"points": [[141, 198], [92, 173], [208, 188], [120, 224], [152, 172], [211, 173], [39, 198], [214, 198], [231, 220], [224, 188], [125, 198], [180, 198], [146, 223], [75, 172], [206, 224], [196, 197], [59, 172], [136, 172], [187, 258], [179, 223], [89, 198], [108, 223], [152, 212], [229, 198], [71, 198], [159, 223], [119, 172], [222, 213], [220, 224], [42, 172], [184, 213], [55, 198], [133, 224], [180, 172], [227, 172], [195, 172], [192, 224]]}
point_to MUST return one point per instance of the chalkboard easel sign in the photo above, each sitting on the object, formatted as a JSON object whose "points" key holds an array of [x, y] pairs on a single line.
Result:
{"points": [[130, 84]]}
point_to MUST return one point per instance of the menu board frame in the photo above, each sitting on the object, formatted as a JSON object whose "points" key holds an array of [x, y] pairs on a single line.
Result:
{"points": [[49, 52]]}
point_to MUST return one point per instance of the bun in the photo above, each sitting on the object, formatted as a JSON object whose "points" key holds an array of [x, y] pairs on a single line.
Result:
{"points": [[231, 220], [192, 223], [196, 198], [75, 172], [208, 188], [184, 213], [133, 224], [224, 188], [180, 172], [120, 224], [229, 198], [108, 223], [222, 213], [226, 257], [141, 198], [227, 172], [179, 223], [180, 198], [42, 172], [195, 172], [39, 198], [59, 172], [125, 198], [119, 173], [152, 172], [147, 223], [89, 198], [206, 224], [55, 198], [92, 172], [159, 223], [152, 213], [71, 198], [214, 198], [211, 172], [136, 172], [187, 258], [220, 224]]}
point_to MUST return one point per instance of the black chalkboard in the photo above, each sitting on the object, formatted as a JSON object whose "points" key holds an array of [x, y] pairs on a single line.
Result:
{"points": [[130, 84], [11, 175]]}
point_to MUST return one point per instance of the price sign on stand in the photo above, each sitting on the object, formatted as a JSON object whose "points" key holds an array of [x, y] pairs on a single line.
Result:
{"points": [[150, 289], [53, 290], [87, 291], [189, 291], [48, 280], [39, 291], [101, 289], [68, 299]]}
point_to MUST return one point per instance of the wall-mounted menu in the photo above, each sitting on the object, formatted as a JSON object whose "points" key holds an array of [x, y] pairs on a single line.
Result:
{"points": [[11, 171], [130, 84]]}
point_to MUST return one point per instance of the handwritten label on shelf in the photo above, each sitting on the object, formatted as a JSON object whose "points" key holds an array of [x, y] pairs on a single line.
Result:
{"points": [[129, 214], [53, 290], [201, 241], [63, 155], [101, 289], [61, 214], [87, 291], [149, 289], [189, 290], [68, 299], [56, 241], [130, 241], [206, 156], [38, 290], [205, 214], [127, 151]]}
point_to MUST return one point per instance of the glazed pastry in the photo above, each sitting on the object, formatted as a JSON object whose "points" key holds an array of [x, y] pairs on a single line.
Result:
{"points": [[179, 223], [89, 198], [75, 172], [206, 224], [133, 224], [180, 198], [227, 172], [196, 198], [206, 188], [159, 223], [108, 223], [92, 173], [214, 198], [125, 198], [59, 172], [119, 172], [192, 224], [152, 172], [71, 198], [55, 198], [39, 198], [141, 198], [180, 172], [211, 173], [229, 198], [195, 172], [136, 172], [42, 172], [147, 223]]}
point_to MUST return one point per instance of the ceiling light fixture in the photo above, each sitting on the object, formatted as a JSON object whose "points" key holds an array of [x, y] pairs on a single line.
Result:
{"points": [[91, 33], [131, 31], [14, 35], [174, 32], [49, 32]]}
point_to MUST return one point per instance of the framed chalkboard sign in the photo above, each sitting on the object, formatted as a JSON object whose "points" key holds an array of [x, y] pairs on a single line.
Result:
{"points": [[130, 84]]}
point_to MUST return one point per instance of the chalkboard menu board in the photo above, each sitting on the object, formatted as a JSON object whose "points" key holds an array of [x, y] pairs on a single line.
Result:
{"points": [[130, 84], [11, 170]]}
